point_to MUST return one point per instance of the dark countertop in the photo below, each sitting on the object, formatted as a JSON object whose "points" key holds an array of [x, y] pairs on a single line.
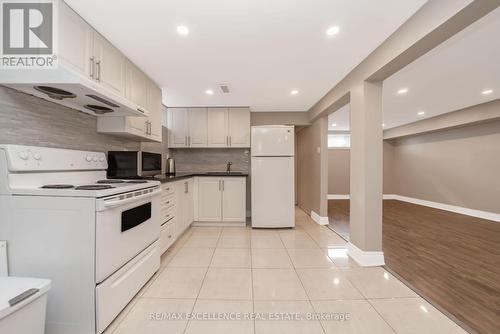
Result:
{"points": [[185, 175]]}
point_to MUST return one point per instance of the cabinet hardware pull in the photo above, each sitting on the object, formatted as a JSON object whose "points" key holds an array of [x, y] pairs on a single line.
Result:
{"points": [[98, 68], [140, 110], [230, 141], [91, 61], [222, 185]]}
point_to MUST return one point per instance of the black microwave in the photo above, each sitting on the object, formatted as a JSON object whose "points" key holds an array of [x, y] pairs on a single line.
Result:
{"points": [[133, 164]]}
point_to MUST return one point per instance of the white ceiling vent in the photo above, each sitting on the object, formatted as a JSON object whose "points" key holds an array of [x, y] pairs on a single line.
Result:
{"points": [[224, 88]]}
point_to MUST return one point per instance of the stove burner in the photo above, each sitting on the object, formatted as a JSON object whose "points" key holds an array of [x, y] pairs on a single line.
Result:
{"points": [[94, 187], [110, 181], [137, 181], [58, 186]]}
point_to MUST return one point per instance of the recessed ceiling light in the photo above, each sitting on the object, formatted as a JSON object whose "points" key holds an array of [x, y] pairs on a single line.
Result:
{"points": [[182, 30], [402, 91], [487, 91], [421, 113], [294, 92], [209, 92], [334, 124], [333, 30], [383, 124]]}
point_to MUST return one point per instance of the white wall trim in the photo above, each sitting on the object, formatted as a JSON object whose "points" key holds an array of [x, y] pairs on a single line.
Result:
{"points": [[363, 258], [318, 219], [4, 269], [447, 207], [338, 196]]}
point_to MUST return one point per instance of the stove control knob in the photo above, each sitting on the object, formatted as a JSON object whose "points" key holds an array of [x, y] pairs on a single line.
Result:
{"points": [[88, 158], [37, 156], [23, 155], [95, 158], [101, 159]]}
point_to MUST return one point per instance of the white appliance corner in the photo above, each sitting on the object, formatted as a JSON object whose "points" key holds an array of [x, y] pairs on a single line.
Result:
{"points": [[365, 258], [319, 219]]}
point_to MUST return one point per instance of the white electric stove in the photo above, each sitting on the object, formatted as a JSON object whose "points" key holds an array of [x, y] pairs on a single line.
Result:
{"points": [[94, 238]]}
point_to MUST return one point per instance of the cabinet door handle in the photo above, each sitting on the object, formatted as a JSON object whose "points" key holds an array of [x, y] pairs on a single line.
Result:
{"points": [[149, 125], [98, 70], [185, 188], [222, 185], [91, 64], [230, 141], [189, 140]]}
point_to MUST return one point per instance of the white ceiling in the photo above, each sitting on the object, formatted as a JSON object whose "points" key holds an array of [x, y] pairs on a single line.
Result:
{"points": [[340, 120], [450, 77], [262, 49]]}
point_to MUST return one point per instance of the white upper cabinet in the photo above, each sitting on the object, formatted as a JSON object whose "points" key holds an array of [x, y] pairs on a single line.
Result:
{"points": [[211, 127], [239, 127], [136, 86], [155, 110], [109, 65], [178, 127], [75, 41], [197, 136], [218, 126]]}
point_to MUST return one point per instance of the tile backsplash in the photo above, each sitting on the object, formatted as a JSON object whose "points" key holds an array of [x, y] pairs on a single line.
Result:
{"points": [[29, 120], [211, 159]]}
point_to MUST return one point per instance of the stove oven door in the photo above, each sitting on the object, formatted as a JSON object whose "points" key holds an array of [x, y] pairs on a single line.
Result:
{"points": [[126, 224]]}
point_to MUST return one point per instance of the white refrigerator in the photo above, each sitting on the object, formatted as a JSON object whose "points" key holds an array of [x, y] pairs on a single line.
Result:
{"points": [[273, 176]]}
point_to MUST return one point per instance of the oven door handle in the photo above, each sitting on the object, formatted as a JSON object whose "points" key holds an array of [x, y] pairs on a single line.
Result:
{"points": [[108, 204]]}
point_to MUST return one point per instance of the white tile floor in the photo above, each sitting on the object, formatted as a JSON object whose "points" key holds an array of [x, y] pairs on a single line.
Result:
{"points": [[280, 276]]}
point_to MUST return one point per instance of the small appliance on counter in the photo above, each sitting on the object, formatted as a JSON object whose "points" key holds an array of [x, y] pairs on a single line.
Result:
{"points": [[170, 169], [133, 164]]}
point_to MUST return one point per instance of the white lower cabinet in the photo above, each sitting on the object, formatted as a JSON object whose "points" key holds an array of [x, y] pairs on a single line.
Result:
{"points": [[202, 199], [209, 199], [221, 199], [177, 211], [234, 199]]}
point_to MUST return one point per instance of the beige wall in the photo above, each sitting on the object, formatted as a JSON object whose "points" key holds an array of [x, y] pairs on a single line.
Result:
{"points": [[458, 167], [311, 194], [338, 171]]}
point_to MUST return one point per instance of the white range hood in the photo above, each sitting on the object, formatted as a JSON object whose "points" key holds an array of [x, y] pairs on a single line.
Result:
{"points": [[69, 88]]}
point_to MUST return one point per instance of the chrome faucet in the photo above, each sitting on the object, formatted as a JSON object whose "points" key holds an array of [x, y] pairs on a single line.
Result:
{"points": [[228, 167]]}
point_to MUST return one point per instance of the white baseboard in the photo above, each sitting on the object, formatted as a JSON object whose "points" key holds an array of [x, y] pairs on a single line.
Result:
{"points": [[338, 196], [447, 207], [318, 219], [363, 258]]}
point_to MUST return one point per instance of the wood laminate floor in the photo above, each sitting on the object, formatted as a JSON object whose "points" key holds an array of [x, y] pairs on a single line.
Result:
{"points": [[453, 260]]}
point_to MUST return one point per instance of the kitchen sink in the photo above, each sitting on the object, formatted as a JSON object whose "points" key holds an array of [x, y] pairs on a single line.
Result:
{"points": [[224, 173]]}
